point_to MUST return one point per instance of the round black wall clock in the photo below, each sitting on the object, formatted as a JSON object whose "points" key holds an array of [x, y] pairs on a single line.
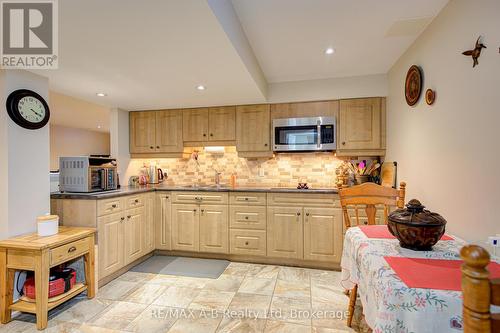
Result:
{"points": [[28, 109]]}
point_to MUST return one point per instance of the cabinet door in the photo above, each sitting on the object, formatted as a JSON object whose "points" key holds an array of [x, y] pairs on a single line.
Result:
{"points": [[195, 124], [163, 220], [134, 238], [323, 234], [142, 132], [169, 131], [252, 128], [111, 253], [185, 227], [285, 232], [360, 124], [214, 229], [222, 123], [149, 225]]}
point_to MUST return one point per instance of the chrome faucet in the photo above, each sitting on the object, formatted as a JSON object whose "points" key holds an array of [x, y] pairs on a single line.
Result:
{"points": [[217, 177]]}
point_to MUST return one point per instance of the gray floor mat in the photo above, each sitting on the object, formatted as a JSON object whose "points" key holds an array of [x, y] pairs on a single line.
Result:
{"points": [[193, 267]]}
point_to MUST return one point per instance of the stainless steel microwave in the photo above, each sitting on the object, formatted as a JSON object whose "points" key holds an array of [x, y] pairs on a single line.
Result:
{"points": [[304, 134], [87, 174]]}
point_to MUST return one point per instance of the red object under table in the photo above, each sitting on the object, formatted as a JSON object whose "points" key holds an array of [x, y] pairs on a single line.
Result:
{"points": [[382, 232], [433, 273]]}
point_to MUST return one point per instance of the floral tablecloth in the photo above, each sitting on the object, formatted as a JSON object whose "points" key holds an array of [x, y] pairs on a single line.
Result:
{"points": [[388, 304]]}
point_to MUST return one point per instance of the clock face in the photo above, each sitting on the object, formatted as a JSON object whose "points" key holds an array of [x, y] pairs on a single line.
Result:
{"points": [[31, 109]]}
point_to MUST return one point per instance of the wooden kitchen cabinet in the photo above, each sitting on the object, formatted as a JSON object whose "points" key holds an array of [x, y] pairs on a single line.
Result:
{"points": [[186, 227], [163, 220], [361, 126], [214, 229], [222, 123], [169, 131], [253, 128], [133, 232], [195, 125], [285, 232], [142, 132], [323, 234], [111, 254], [148, 226]]}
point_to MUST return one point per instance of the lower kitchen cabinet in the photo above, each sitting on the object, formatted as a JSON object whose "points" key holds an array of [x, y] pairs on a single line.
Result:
{"points": [[149, 223], [248, 242], [214, 229], [323, 234], [186, 227], [285, 232], [163, 220], [133, 231], [110, 251]]}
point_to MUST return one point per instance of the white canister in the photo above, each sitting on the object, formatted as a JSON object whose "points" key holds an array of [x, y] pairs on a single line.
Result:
{"points": [[48, 225]]}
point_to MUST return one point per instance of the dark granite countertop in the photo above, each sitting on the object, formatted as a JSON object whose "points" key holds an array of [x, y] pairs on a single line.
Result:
{"points": [[129, 190]]}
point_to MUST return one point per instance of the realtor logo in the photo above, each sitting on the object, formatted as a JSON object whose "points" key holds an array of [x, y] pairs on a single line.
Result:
{"points": [[29, 34]]}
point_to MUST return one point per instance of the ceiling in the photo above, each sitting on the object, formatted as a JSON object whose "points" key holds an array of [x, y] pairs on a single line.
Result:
{"points": [[289, 37], [152, 54]]}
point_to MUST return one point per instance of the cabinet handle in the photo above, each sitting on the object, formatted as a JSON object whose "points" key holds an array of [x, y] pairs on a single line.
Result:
{"points": [[129, 216], [298, 213], [136, 200], [166, 197], [194, 210], [246, 199], [113, 206], [246, 217], [204, 134], [265, 144], [151, 147], [366, 222], [157, 147], [307, 214], [72, 249], [202, 211], [343, 143], [122, 218], [211, 134], [246, 243]]}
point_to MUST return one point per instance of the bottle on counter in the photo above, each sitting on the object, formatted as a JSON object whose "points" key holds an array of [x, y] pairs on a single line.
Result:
{"points": [[233, 180]]}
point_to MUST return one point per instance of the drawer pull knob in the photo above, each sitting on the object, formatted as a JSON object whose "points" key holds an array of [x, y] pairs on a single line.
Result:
{"points": [[307, 214], [136, 200], [122, 218], [129, 216], [166, 197], [366, 222], [246, 199], [298, 214], [246, 243], [72, 249], [194, 210], [157, 147], [246, 217], [151, 147], [113, 206]]}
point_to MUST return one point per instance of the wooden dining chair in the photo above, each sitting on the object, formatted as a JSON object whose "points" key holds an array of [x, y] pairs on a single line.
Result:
{"points": [[479, 292], [367, 197]]}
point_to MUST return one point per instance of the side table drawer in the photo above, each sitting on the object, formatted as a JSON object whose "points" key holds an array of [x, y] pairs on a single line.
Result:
{"points": [[69, 251]]}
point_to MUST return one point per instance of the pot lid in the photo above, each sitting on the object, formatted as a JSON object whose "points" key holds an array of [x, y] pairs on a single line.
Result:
{"points": [[415, 214]]}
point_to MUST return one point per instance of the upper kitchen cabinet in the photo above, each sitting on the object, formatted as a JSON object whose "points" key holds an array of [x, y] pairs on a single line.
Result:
{"points": [[206, 126], [169, 131], [156, 133], [253, 130], [361, 127], [142, 132], [222, 123], [305, 109], [195, 125]]}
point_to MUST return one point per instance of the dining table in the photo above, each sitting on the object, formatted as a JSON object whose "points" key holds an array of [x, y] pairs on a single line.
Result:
{"points": [[374, 260]]}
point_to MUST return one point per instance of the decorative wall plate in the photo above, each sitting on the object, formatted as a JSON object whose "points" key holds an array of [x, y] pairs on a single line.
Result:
{"points": [[430, 96], [413, 85]]}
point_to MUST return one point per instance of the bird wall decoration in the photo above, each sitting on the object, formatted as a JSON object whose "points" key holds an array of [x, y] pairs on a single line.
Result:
{"points": [[476, 52]]}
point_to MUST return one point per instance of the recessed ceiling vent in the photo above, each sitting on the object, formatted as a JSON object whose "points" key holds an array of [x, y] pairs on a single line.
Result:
{"points": [[408, 27]]}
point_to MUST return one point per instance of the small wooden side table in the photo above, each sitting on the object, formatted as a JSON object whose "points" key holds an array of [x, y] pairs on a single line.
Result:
{"points": [[38, 254]]}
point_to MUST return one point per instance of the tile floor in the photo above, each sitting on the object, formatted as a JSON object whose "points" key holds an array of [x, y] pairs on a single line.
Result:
{"points": [[245, 298]]}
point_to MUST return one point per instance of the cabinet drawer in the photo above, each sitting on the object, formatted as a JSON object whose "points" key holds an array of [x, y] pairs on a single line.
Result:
{"points": [[249, 198], [200, 197], [306, 199], [69, 251], [247, 242], [110, 206], [248, 217], [134, 201]]}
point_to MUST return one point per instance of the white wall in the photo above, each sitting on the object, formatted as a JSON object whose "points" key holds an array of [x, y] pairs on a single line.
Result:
{"points": [[119, 131], [70, 141], [335, 88], [24, 164], [449, 153]]}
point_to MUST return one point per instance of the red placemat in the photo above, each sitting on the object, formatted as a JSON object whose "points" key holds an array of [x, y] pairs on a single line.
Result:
{"points": [[433, 273], [382, 231]]}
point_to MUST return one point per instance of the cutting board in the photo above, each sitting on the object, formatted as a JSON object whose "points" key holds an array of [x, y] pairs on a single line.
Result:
{"points": [[388, 174]]}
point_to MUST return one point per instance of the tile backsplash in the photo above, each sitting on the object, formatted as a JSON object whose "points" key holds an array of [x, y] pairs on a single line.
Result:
{"points": [[284, 170]]}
